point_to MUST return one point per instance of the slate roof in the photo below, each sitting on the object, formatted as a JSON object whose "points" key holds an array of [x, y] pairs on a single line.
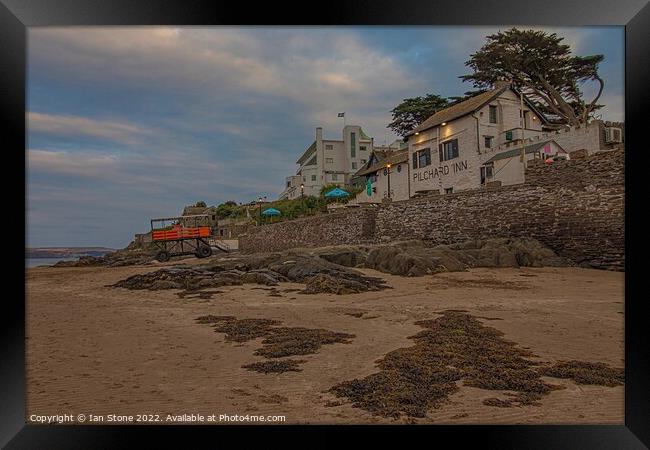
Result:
{"points": [[467, 107], [395, 157]]}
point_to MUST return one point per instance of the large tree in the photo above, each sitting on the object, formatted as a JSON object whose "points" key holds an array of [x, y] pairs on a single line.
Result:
{"points": [[543, 68], [413, 111]]}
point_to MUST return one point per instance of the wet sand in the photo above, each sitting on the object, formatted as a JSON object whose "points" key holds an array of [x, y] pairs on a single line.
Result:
{"points": [[94, 349]]}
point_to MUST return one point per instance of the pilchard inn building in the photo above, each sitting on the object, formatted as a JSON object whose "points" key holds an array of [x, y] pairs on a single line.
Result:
{"points": [[472, 143]]}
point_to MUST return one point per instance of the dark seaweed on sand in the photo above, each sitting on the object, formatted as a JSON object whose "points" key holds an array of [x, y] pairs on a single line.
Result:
{"points": [[288, 341], [586, 373], [278, 341], [452, 348], [458, 347], [239, 330], [281, 366]]}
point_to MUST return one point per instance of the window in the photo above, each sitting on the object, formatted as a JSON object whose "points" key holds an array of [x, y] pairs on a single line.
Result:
{"points": [[335, 176], [424, 157], [493, 114], [488, 141], [362, 147], [449, 190], [448, 150], [288, 183], [329, 160], [486, 173], [354, 165], [313, 178], [329, 147], [415, 160], [304, 178], [353, 144]]}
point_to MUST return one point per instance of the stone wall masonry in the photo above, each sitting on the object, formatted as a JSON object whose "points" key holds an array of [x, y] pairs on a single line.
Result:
{"points": [[575, 207], [351, 226]]}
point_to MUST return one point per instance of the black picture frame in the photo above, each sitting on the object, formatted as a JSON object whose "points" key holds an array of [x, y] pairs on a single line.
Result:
{"points": [[16, 15]]}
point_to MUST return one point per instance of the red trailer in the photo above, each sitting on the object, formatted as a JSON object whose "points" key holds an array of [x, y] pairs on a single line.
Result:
{"points": [[183, 235]]}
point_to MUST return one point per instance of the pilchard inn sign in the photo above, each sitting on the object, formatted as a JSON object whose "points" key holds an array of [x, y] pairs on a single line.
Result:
{"points": [[436, 172]]}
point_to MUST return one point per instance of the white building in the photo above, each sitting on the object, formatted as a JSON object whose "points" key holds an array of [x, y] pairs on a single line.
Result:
{"points": [[447, 151], [329, 161], [454, 149], [508, 167], [385, 177]]}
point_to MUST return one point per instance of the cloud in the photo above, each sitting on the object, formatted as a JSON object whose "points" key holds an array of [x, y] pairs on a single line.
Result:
{"points": [[320, 69], [83, 126], [74, 164], [154, 174]]}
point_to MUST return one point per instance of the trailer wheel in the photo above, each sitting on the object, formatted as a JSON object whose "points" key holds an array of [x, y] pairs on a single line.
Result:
{"points": [[203, 251], [162, 256]]}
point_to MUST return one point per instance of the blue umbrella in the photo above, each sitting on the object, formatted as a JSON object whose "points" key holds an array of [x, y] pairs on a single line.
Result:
{"points": [[337, 193], [271, 212]]}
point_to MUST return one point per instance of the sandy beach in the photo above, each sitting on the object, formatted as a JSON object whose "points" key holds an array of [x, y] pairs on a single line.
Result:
{"points": [[102, 350]]}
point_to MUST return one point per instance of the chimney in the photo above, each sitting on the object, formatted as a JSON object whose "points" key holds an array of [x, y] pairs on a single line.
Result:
{"points": [[319, 133], [501, 83]]}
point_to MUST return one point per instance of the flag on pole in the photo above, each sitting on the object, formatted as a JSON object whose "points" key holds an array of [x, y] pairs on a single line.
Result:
{"points": [[341, 114]]}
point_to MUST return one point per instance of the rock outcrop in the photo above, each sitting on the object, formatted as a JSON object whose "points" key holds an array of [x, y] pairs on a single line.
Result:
{"points": [[414, 258], [333, 269]]}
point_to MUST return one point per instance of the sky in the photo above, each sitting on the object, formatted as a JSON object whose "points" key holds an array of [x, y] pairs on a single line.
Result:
{"points": [[125, 124]]}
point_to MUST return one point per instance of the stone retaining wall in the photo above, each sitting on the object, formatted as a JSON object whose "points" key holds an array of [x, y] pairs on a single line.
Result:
{"points": [[575, 207], [349, 226]]}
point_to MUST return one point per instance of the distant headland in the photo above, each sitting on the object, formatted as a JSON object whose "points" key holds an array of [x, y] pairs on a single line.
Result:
{"points": [[65, 252]]}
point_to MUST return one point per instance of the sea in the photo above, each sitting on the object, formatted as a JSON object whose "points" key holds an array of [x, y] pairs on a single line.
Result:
{"points": [[34, 262]]}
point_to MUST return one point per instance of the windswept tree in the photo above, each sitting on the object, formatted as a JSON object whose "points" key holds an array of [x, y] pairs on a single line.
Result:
{"points": [[413, 111], [543, 68]]}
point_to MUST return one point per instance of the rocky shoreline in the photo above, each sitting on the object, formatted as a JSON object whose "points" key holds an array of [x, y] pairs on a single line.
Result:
{"points": [[333, 269]]}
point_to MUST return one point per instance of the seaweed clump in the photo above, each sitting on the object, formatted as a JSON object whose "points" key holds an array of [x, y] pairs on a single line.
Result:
{"points": [[586, 373], [277, 342], [452, 348]]}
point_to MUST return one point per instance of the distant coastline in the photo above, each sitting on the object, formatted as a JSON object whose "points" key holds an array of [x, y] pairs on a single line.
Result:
{"points": [[65, 252], [38, 262]]}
